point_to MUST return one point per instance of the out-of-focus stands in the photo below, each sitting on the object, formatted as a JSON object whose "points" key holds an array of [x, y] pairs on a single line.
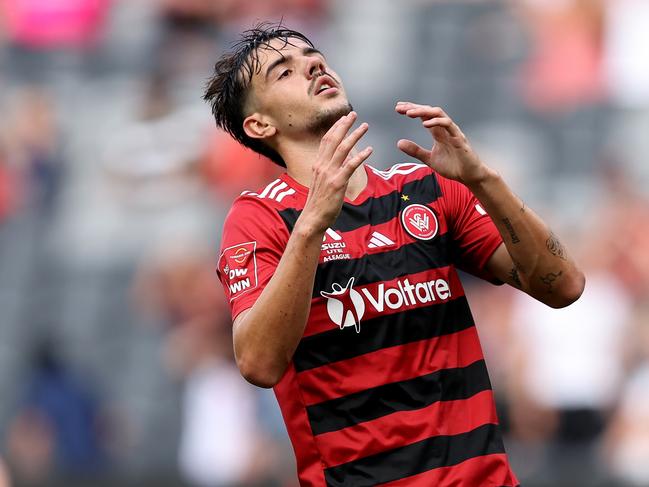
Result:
{"points": [[115, 346]]}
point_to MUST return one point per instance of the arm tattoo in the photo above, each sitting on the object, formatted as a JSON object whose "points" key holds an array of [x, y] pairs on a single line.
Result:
{"points": [[510, 229], [549, 278], [555, 247], [513, 275], [519, 266]]}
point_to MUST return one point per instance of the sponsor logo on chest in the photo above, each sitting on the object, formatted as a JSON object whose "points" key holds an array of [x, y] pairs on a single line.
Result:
{"points": [[333, 247], [346, 306]]}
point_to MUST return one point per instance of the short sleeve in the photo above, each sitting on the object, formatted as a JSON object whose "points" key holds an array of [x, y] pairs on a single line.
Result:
{"points": [[475, 235], [253, 241]]}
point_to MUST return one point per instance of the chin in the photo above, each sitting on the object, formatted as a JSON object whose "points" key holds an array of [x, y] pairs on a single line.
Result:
{"points": [[326, 117]]}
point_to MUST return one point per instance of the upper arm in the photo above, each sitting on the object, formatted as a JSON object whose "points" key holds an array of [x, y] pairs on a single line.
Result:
{"points": [[251, 247]]}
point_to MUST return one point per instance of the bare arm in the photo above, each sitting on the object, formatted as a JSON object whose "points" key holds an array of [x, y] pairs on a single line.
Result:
{"points": [[532, 258], [267, 334]]}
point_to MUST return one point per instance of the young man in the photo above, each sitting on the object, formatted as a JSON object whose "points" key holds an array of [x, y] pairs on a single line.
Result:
{"points": [[342, 279]]}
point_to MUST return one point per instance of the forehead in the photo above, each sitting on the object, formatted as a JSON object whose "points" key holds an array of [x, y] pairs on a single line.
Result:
{"points": [[279, 47]]}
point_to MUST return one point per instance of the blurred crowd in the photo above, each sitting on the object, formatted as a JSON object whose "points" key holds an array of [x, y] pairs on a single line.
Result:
{"points": [[116, 363]]}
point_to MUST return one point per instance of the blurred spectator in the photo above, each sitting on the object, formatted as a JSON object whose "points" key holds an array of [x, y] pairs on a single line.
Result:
{"points": [[564, 67], [562, 80], [627, 446], [568, 369], [626, 62], [34, 148], [221, 443], [56, 428], [46, 35], [4, 476], [8, 188], [50, 25]]}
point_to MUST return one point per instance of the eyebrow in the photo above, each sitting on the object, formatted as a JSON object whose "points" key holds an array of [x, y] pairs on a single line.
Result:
{"points": [[283, 59]]}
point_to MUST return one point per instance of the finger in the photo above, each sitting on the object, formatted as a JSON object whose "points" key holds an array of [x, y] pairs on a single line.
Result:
{"points": [[414, 150], [425, 112], [352, 163], [403, 106], [345, 146], [445, 122], [335, 134]]}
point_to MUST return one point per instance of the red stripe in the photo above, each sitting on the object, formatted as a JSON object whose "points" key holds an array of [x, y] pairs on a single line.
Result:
{"points": [[480, 471], [406, 427], [319, 320], [390, 365], [309, 465]]}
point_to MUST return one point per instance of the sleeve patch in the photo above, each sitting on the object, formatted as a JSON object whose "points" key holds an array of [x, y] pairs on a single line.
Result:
{"points": [[238, 266]]}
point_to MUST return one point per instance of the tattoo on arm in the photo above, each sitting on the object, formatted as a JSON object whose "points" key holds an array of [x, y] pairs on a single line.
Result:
{"points": [[510, 229], [549, 279], [513, 275], [555, 247]]}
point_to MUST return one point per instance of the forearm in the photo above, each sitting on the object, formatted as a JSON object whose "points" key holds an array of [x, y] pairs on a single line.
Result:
{"points": [[267, 336], [540, 264]]}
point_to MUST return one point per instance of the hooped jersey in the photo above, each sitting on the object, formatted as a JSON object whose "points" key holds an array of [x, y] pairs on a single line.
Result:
{"points": [[388, 384]]}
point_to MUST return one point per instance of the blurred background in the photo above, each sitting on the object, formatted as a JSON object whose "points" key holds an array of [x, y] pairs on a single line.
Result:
{"points": [[115, 349]]}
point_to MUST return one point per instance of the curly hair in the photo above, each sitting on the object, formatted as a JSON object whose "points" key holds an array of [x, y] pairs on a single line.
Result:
{"points": [[227, 88]]}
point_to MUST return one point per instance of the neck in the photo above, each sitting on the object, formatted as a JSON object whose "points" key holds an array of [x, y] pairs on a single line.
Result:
{"points": [[300, 158]]}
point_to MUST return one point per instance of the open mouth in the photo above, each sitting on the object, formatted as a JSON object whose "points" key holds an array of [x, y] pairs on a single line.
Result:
{"points": [[324, 85]]}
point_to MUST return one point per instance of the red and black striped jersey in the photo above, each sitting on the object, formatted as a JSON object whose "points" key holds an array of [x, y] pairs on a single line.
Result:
{"points": [[388, 384]]}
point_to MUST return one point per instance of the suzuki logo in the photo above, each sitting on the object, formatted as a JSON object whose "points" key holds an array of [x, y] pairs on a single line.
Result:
{"points": [[345, 305]]}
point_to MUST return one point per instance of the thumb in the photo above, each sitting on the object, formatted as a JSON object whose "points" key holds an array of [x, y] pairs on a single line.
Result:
{"points": [[414, 150]]}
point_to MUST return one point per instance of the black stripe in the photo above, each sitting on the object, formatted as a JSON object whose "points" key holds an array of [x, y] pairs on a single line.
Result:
{"points": [[407, 395], [434, 452], [382, 332], [415, 257], [375, 211]]}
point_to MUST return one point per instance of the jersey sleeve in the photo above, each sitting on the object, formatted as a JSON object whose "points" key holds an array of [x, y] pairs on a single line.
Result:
{"points": [[475, 235], [253, 241]]}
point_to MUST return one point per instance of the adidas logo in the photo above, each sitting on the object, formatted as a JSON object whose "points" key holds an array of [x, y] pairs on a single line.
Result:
{"points": [[379, 240]]}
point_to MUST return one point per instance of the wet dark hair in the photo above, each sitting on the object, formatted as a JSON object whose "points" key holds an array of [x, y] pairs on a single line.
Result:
{"points": [[227, 88]]}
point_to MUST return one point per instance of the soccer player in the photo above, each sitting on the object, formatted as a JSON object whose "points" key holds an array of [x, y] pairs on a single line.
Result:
{"points": [[343, 281]]}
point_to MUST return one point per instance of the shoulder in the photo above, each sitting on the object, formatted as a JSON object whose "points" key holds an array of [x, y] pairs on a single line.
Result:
{"points": [[265, 201], [277, 193], [258, 213]]}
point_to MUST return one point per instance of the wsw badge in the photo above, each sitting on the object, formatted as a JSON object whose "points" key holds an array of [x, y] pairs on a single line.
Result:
{"points": [[419, 221]]}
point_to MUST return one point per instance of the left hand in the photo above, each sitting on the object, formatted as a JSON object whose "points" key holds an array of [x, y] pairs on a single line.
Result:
{"points": [[451, 155]]}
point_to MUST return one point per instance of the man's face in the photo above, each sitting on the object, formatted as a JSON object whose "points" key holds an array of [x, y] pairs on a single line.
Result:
{"points": [[297, 90]]}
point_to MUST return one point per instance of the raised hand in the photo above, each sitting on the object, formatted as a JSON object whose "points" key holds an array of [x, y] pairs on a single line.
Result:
{"points": [[451, 155], [332, 170]]}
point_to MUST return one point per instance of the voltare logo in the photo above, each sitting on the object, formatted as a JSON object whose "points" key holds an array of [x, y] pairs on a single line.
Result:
{"points": [[346, 306]]}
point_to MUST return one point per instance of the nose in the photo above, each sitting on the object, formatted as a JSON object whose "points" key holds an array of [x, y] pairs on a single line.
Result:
{"points": [[314, 65]]}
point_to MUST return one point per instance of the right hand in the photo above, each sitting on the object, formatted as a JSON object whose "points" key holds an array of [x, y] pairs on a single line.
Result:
{"points": [[331, 172]]}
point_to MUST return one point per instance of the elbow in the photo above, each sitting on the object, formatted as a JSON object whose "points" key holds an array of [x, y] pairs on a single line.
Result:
{"points": [[258, 373], [571, 289]]}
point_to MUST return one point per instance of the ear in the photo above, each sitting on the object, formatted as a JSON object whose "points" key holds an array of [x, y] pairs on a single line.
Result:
{"points": [[257, 126]]}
